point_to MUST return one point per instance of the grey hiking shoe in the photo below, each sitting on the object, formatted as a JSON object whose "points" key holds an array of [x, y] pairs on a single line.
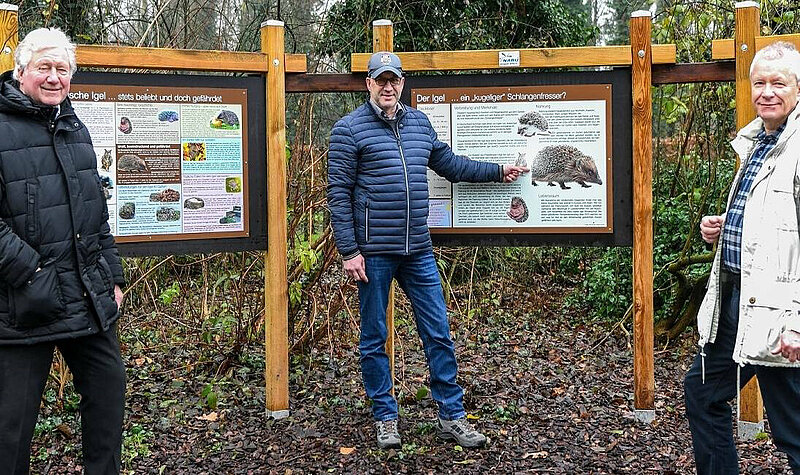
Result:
{"points": [[388, 436], [461, 431]]}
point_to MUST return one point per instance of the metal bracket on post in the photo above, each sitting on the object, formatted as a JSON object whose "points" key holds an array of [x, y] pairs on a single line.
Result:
{"points": [[749, 430], [646, 416], [278, 415]]}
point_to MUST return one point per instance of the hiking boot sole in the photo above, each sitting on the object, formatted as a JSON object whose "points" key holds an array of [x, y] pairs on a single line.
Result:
{"points": [[389, 445], [450, 437]]}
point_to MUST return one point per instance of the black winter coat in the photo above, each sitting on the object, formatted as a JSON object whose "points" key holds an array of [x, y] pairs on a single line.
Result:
{"points": [[378, 180], [54, 219]]}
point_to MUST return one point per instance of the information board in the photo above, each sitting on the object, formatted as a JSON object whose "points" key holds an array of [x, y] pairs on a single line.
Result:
{"points": [[174, 161], [563, 130]]}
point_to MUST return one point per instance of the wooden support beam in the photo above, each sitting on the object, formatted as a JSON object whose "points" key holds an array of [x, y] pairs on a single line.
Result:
{"points": [[98, 56], [725, 49], [383, 40], [276, 295], [8, 35], [641, 71], [529, 58], [751, 408]]}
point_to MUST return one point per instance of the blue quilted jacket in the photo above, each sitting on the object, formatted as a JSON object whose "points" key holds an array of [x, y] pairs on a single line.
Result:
{"points": [[378, 183]]}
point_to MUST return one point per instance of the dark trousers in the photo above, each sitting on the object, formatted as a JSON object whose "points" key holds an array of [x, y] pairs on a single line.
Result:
{"points": [[707, 406], [99, 377]]}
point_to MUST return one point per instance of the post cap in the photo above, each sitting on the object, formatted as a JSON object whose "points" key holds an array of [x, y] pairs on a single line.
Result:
{"points": [[272, 23], [641, 13], [748, 4], [9, 7], [381, 22]]}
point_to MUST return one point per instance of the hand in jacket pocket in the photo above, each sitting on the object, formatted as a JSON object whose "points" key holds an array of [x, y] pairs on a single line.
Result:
{"points": [[38, 301]]}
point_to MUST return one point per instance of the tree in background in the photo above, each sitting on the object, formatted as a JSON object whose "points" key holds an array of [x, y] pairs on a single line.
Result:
{"points": [[457, 25]]}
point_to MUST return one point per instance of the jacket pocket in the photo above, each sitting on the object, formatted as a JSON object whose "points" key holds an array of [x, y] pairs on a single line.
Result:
{"points": [[32, 213], [366, 221], [39, 301]]}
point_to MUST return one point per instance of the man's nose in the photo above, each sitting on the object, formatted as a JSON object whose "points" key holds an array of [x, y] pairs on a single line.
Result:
{"points": [[768, 89]]}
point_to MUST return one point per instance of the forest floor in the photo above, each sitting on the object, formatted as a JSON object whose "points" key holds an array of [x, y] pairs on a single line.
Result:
{"points": [[551, 389]]}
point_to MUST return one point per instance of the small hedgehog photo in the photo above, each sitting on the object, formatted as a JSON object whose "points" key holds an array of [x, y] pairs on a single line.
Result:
{"points": [[532, 123], [127, 210], [518, 210], [225, 120], [131, 163], [561, 164]]}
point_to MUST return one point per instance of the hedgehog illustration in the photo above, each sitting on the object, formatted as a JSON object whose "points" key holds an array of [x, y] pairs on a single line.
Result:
{"points": [[532, 123], [563, 163], [225, 120], [521, 162], [131, 163], [518, 210], [125, 125], [106, 160]]}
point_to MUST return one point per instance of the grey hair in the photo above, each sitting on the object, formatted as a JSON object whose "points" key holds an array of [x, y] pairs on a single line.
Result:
{"points": [[783, 51], [38, 40]]}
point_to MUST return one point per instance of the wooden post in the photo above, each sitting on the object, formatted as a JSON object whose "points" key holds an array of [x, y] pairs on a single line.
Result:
{"points": [[641, 64], [8, 35], [276, 294], [751, 408], [383, 40]]}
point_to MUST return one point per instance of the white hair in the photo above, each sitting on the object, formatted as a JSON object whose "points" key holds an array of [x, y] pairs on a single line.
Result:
{"points": [[782, 51], [41, 39]]}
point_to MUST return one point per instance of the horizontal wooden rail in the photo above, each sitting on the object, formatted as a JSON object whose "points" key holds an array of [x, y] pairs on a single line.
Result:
{"points": [[325, 83], [528, 58], [723, 49], [94, 56], [694, 72], [662, 74]]}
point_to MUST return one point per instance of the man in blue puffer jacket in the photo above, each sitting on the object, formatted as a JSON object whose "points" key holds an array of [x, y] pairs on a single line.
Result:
{"points": [[378, 196]]}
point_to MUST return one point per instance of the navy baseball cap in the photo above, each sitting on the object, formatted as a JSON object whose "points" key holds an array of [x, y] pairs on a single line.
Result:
{"points": [[383, 61]]}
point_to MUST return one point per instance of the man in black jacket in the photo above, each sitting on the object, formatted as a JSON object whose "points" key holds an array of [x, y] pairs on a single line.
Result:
{"points": [[60, 272]]}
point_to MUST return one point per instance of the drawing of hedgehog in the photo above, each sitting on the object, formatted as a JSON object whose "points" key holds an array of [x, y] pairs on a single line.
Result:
{"points": [[518, 210], [131, 163], [225, 120], [561, 164], [532, 123]]}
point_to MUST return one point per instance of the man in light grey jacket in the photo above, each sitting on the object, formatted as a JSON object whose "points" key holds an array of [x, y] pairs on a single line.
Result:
{"points": [[749, 321]]}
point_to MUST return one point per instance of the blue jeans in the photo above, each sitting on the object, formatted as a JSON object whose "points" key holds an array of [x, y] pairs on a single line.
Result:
{"points": [[707, 405], [419, 278]]}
